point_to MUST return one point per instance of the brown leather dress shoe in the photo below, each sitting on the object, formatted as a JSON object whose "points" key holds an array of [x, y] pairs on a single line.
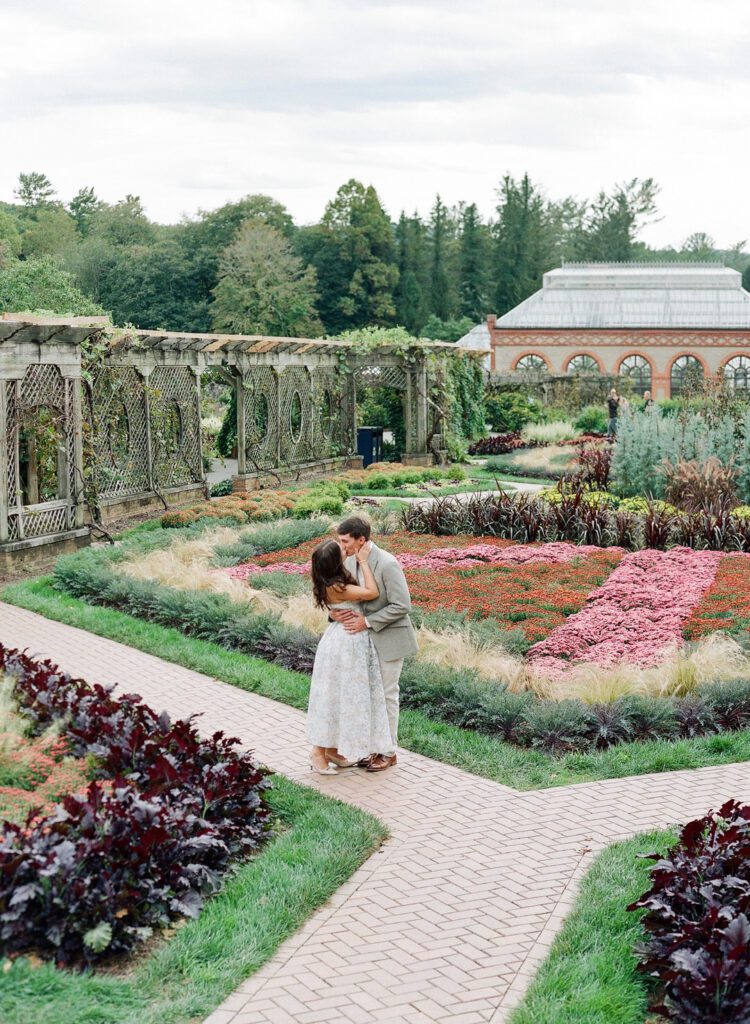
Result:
{"points": [[364, 762], [380, 762]]}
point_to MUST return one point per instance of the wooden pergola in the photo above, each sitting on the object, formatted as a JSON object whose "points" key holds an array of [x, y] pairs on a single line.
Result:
{"points": [[91, 414]]}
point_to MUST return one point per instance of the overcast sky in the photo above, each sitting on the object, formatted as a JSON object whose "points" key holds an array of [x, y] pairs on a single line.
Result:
{"points": [[191, 104]]}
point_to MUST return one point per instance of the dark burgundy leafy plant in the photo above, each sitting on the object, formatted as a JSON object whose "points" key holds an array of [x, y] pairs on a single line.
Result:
{"points": [[165, 814], [697, 921]]}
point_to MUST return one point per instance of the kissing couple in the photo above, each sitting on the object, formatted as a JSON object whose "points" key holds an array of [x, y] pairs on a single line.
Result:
{"points": [[352, 716]]}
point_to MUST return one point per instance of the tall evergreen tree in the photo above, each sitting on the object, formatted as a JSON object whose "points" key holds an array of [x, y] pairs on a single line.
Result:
{"points": [[614, 219], [356, 246], [472, 265], [440, 298], [412, 307], [521, 242]]}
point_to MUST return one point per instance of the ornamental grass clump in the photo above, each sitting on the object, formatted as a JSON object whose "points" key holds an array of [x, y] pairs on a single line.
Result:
{"points": [[697, 921]]}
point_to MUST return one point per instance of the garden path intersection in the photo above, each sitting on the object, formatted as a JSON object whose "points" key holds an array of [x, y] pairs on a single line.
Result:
{"points": [[451, 918]]}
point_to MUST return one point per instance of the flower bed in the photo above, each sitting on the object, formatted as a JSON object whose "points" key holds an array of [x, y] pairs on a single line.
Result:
{"points": [[726, 604], [636, 615], [145, 842], [533, 587]]}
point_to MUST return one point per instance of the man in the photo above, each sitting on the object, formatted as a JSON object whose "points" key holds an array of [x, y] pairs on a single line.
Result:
{"points": [[387, 618], [613, 405]]}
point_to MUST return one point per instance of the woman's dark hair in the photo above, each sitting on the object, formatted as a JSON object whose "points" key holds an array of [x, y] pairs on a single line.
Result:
{"points": [[328, 571]]}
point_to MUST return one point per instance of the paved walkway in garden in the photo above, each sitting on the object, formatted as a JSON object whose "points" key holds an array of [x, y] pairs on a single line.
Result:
{"points": [[450, 919]]}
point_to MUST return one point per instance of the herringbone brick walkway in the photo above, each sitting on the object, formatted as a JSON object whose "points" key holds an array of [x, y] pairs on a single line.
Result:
{"points": [[450, 919]]}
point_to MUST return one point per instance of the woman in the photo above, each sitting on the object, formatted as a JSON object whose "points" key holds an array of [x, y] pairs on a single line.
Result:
{"points": [[346, 717]]}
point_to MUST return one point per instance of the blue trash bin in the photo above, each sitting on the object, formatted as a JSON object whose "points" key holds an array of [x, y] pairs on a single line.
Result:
{"points": [[370, 444]]}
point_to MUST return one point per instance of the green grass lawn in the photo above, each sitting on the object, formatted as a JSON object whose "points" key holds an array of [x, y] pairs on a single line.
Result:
{"points": [[590, 976], [265, 900], [480, 754]]}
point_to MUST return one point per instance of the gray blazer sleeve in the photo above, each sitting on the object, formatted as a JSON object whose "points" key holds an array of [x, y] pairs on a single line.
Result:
{"points": [[397, 593]]}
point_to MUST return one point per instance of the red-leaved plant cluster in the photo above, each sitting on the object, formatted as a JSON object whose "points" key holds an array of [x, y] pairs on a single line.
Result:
{"points": [[697, 921], [144, 844]]}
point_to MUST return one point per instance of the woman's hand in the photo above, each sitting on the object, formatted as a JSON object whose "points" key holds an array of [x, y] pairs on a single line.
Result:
{"points": [[364, 552]]}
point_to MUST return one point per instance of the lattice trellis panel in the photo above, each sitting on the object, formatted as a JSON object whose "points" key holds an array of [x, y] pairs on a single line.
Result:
{"points": [[120, 435], [12, 412], [295, 406], [329, 411], [42, 387], [260, 397], [175, 426], [380, 377]]}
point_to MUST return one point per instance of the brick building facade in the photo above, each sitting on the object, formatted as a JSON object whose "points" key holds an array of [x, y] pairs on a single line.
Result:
{"points": [[661, 325]]}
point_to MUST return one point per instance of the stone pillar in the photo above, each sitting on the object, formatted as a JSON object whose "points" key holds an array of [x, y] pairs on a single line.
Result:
{"points": [[76, 425], [420, 376], [408, 413], [198, 371]]}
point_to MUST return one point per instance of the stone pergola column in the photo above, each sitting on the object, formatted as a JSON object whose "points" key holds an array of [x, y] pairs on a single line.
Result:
{"points": [[75, 425]]}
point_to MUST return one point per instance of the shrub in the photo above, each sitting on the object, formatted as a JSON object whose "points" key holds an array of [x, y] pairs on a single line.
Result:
{"points": [[650, 718], [501, 444], [222, 488], [511, 410], [693, 716], [696, 920], [266, 538], [592, 419], [318, 504], [137, 849], [593, 465], [559, 726], [728, 702], [550, 433], [610, 724], [700, 486]]}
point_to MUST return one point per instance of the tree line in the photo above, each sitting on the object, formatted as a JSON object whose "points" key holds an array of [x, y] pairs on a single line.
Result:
{"points": [[246, 267]]}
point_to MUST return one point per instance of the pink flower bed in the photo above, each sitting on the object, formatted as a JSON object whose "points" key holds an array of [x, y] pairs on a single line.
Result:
{"points": [[635, 616], [457, 558]]}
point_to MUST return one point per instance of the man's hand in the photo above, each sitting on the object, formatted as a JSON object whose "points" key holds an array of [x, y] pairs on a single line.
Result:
{"points": [[355, 624], [342, 614]]}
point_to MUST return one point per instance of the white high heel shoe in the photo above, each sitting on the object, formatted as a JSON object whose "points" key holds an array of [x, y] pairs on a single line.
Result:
{"points": [[330, 769], [340, 762]]}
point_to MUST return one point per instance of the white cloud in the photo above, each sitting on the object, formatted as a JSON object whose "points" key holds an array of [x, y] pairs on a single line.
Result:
{"points": [[191, 104]]}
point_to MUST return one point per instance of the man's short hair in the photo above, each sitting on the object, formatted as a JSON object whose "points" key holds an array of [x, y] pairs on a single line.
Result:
{"points": [[355, 526]]}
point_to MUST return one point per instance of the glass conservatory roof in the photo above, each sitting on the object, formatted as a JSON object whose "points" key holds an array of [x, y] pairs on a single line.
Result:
{"points": [[613, 295]]}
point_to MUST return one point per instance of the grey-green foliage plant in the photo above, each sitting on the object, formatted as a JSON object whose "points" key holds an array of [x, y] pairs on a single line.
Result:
{"points": [[646, 439], [742, 461]]}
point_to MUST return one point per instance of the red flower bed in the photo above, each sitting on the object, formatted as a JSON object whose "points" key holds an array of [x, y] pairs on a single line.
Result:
{"points": [[726, 603], [536, 597]]}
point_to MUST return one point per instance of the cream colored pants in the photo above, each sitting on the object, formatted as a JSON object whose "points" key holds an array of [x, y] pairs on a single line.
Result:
{"points": [[391, 673]]}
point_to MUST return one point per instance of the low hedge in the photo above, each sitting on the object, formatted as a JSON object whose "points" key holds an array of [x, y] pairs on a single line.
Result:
{"points": [[696, 921], [459, 698], [161, 821]]}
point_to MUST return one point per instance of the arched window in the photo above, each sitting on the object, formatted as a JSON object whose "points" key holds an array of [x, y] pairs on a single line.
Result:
{"points": [[737, 373], [583, 364], [638, 371], [532, 364], [687, 374]]}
